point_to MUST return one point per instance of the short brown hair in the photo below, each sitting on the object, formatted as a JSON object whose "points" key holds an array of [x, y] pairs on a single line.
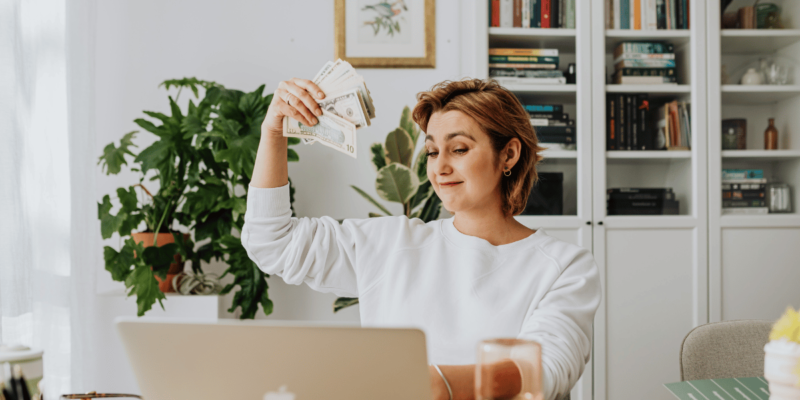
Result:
{"points": [[501, 116]]}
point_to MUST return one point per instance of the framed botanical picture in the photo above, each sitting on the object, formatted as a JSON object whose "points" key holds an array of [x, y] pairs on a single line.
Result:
{"points": [[386, 34]]}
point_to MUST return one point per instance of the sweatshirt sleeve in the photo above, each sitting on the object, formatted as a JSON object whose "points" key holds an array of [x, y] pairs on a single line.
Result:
{"points": [[317, 251], [562, 323]]}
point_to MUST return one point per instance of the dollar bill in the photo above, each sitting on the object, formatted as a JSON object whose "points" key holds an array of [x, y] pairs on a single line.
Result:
{"points": [[331, 131], [347, 105]]}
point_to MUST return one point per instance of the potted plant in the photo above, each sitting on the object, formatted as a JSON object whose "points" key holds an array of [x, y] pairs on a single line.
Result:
{"points": [[202, 162], [402, 178]]}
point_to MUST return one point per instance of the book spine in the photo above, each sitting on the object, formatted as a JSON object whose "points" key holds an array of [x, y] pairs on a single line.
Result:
{"points": [[619, 129], [744, 203], [496, 13], [551, 130], [661, 14], [629, 133], [517, 14], [523, 65], [545, 13], [625, 14], [634, 123], [616, 14], [688, 14], [544, 108], [728, 174], [610, 115], [525, 73], [644, 107], [609, 14], [673, 14], [637, 14], [652, 18], [507, 13], [645, 63], [526, 13], [571, 14], [679, 16], [555, 9], [644, 56], [623, 128], [536, 14], [524, 59], [646, 71], [523, 52], [643, 80]]}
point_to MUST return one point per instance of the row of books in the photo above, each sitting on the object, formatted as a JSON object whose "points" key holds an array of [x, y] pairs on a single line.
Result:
{"points": [[525, 66], [744, 191], [644, 63], [532, 13], [641, 201], [648, 14], [551, 123], [633, 123]]}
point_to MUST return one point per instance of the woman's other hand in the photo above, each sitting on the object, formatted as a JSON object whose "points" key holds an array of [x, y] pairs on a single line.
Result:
{"points": [[295, 98]]}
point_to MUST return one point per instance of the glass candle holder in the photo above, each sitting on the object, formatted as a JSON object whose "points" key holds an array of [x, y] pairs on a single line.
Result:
{"points": [[779, 198], [498, 359]]}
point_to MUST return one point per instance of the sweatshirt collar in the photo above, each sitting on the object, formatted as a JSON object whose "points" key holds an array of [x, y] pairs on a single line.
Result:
{"points": [[453, 235]]}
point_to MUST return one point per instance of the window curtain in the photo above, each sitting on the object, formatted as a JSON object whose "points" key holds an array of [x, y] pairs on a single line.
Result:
{"points": [[48, 233]]}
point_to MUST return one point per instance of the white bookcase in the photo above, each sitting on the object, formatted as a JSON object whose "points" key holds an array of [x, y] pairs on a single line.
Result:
{"points": [[653, 269], [753, 259]]}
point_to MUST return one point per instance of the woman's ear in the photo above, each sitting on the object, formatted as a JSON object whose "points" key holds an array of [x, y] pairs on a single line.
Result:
{"points": [[511, 153]]}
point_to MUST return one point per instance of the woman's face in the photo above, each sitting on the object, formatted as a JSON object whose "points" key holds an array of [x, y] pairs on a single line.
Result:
{"points": [[462, 166]]}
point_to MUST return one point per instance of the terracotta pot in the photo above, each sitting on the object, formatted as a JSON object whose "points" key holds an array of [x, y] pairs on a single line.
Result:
{"points": [[175, 268]]}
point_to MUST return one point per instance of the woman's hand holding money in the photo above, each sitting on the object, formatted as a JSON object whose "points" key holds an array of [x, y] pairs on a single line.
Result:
{"points": [[295, 98]]}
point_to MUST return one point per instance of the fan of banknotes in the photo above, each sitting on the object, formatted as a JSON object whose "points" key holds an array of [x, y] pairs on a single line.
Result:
{"points": [[347, 106]]}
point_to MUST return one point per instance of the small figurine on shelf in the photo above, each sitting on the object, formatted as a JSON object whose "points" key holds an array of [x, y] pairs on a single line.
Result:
{"points": [[771, 136], [752, 77]]}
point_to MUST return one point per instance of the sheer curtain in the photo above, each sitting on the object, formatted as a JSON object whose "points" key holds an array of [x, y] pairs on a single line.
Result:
{"points": [[47, 214]]}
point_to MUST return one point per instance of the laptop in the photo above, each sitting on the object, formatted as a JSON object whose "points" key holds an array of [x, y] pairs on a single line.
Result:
{"points": [[231, 359]]}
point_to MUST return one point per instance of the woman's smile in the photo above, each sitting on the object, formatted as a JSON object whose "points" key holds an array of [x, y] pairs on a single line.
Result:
{"points": [[449, 184]]}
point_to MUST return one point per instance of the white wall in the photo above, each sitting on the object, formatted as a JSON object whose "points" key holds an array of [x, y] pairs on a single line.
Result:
{"points": [[243, 44]]}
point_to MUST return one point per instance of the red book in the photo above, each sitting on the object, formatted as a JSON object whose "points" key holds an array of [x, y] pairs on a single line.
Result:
{"points": [[546, 13], [518, 13], [496, 13]]}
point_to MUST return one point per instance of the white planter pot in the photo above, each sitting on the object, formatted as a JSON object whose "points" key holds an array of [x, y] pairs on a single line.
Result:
{"points": [[780, 361]]}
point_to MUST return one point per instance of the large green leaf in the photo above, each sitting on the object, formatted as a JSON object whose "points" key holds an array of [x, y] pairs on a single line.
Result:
{"points": [[396, 183], [113, 158], [408, 124], [109, 223], [378, 156], [252, 281], [159, 154], [424, 191], [421, 166], [399, 147], [344, 302], [430, 211], [160, 257], [119, 263], [371, 200], [142, 283], [130, 209], [150, 127]]}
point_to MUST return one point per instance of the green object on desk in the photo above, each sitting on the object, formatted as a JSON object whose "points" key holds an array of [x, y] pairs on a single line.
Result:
{"points": [[721, 389]]}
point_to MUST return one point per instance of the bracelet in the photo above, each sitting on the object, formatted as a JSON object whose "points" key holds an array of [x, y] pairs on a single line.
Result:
{"points": [[445, 381]]}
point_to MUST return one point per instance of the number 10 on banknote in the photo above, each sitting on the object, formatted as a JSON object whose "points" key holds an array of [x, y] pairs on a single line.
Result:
{"points": [[331, 131]]}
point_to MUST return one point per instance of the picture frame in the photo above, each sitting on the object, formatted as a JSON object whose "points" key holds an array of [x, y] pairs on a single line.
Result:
{"points": [[386, 34]]}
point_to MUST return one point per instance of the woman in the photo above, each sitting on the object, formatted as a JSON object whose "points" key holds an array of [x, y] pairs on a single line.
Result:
{"points": [[478, 275]]}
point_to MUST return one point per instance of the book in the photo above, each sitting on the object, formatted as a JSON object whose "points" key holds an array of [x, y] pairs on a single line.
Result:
{"points": [[643, 56], [555, 13], [679, 15], [640, 190], [495, 13], [744, 203], [643, 105], [526, 13], [617, 14], [530, 81], [506, 13], [545, 13], [652, 17], [544, 108], [743, 186], [536, 14], [644, 80], [497, 59], [737, 174], [517, 14], [525, 73], [523, 65], [551, 122], [553, 115], [570, 23], [637, 14], [661, 14], [628, 137], [646, 71], [643, 47], [551, 130], [644, 63], [745, 211], [624, 14], [611, 122]]}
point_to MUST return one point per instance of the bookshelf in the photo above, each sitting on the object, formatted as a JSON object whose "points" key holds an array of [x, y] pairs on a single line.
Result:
{"points": [[735, 241], [654, 268]]}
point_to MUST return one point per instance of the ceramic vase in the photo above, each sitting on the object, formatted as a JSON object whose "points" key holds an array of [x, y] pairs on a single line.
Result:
{"points": [[780, 361], [752, 77]]}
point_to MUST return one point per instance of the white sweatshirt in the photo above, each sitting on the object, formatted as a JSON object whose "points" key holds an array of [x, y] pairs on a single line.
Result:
{"points": [[458, 289]]}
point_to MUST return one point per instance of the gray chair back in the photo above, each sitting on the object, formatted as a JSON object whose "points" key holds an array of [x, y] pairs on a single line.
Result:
{"points": [[728, 349]]}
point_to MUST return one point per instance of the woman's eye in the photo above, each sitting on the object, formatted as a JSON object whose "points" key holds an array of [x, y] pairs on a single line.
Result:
{"points": [[432, 154], [460, 151]]}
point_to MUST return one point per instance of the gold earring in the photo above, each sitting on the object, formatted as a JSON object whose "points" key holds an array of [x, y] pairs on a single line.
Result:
{"points": [[507, 172]]}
